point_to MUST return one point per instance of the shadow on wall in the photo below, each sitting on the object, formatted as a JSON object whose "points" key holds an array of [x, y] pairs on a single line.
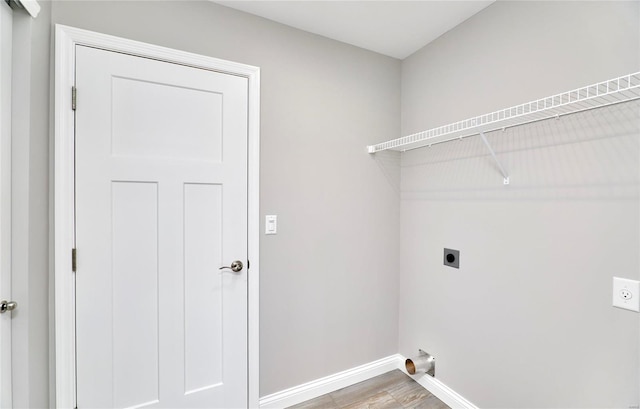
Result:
{"points": [[590, 155], [389, 164]]}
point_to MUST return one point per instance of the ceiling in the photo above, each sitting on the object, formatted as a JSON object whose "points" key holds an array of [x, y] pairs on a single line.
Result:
{"points": [[393, 28]]}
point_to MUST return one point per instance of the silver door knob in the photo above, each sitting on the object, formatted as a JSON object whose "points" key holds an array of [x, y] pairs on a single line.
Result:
{"points": [[7, 306], [236, 266]]}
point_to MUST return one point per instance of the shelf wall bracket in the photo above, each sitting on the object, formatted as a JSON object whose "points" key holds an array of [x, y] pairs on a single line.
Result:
{"points": [[493, 154]]}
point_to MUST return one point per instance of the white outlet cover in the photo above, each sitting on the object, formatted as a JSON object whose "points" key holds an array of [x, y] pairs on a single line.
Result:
{"points": [[621, 289]]}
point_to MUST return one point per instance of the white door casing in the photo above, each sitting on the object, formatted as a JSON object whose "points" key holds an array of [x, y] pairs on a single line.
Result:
{"points": [[6, 19], [138, 201]]}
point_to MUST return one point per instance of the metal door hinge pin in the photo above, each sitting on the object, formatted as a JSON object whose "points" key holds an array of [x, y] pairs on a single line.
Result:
{"points": [[73, 260], [74, 94]]}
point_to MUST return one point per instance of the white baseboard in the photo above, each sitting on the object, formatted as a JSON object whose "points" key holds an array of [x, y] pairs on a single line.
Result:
{"points": [[331, 383], [439, 389]]}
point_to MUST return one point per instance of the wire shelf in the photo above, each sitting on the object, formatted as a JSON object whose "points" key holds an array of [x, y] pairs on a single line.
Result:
{"points": [[614, 91]]}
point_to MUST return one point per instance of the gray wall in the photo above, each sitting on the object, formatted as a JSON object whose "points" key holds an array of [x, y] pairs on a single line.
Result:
{"points": [[527, 319], [328, 278], [519, 323]]}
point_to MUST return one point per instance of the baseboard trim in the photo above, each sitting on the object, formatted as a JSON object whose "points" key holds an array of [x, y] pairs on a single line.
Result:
{"points": [[331, 383], [439, 389]]}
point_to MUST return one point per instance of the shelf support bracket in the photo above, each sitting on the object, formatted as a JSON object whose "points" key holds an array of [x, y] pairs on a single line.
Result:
{"points": [[493, 154]]}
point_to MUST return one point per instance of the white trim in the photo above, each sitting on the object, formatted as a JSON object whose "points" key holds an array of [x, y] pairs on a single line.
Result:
{"points": [[66, 40], [441, 391], [253, 236], [332, 383], [30, 6], [328, 384]]}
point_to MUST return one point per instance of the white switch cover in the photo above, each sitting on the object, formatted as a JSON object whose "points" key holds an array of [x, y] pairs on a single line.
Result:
{"points": [[271, 224], [626, 294]]}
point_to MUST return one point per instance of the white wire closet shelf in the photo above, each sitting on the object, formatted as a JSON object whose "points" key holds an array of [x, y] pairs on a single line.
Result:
{"points": [[614, 91]]}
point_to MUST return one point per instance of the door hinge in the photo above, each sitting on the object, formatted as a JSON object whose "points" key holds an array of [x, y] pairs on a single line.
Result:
{"points": [[248, 264], [73, 260], [74, 93]]}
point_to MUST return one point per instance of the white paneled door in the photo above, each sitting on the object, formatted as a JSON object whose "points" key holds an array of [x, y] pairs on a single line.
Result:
{"points": [[161, 206]]}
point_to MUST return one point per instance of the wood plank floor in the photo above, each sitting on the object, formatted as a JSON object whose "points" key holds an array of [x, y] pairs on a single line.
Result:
{"points": [[390, 390]]}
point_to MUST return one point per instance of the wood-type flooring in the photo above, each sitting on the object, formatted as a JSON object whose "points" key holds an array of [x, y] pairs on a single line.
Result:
{"points": [[392, 390]]}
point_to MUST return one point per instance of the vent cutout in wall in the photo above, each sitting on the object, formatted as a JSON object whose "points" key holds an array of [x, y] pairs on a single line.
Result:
{"points": [[423, 363]]}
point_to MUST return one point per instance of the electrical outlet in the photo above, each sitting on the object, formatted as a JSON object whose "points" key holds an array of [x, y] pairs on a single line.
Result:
{"points": [[626, 294], [452, 258]]}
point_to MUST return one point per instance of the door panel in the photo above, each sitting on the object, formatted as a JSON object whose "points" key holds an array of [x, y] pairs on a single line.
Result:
{"points": [[161, 204], [135, 308], [203, 290], [154, 130]]}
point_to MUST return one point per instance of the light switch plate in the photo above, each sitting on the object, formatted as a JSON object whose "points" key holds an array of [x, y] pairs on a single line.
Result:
{"points": [[626, 294], [271, 224]]}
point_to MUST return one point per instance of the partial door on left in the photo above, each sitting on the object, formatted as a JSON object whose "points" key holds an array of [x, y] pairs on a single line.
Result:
{"points": [[6, 17]]}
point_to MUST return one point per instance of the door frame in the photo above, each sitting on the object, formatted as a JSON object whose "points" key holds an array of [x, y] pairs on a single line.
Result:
{"points": [[66, 39]]}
